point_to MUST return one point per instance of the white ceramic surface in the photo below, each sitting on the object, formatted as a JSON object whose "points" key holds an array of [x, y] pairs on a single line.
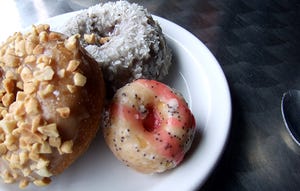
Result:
{"points": [[195, 73]]}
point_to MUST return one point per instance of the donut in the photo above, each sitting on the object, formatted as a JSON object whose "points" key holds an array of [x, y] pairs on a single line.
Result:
{"points": [[51, 100], [124, 39], [149, 126]]}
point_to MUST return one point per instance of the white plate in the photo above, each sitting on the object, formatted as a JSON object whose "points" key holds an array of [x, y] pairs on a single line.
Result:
{"points": [[197, 74]]}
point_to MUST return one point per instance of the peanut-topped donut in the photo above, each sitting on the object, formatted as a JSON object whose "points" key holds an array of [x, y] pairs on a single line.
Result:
{"points": [[124, 39], [148, 126], [51, 99]]}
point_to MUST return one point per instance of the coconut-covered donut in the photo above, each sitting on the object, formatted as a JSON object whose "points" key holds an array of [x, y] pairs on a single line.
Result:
{"points": [[124, 39], [51, 98], [149, 126]]}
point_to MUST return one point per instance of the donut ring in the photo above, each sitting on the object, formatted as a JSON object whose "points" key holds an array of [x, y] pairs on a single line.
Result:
{"points": [[148, 126], [124, 39], [51, 97]]}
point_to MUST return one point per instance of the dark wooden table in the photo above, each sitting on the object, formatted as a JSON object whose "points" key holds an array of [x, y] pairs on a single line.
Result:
{"points": [[257, 43]]}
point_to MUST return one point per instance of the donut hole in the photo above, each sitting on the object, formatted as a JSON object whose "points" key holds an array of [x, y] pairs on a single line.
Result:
{"points": [[152, 120]]}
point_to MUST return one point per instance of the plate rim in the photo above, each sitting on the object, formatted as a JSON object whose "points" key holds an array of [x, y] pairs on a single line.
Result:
{"points": [[217, 67], [227, 96]]}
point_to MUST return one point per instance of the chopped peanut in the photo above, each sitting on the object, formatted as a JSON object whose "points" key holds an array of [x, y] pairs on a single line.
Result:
{"points": [[3, 149], [72, 66], [104, 40], [43, 172], [44, 75], [43, 36], [20, 48], [54, 36], [30, 59], [9, 85], [32, 69], [31, 106], [49, 130], [23, 184], [39, 49], [72, 42], [26, 74], [55, 142], [43, 182], [29, 87], [79, 79], [45, 148], [61, 73], [30, 44], [64, 112], [10, 75], [11, 60], [7, 99], [67, 146], [90, 38], [23, 157], [71, 88]]}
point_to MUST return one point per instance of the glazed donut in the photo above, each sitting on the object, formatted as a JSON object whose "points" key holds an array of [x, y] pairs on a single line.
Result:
{"points": [[51, 97], [124, 39], [149, 126]]}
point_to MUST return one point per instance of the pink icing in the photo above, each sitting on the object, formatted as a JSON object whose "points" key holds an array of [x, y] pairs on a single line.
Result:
{"points": [[151, 126]]}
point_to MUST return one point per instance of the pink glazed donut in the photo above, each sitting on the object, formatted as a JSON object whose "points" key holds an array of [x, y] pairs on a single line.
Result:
{"points": [[149, 126]]}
